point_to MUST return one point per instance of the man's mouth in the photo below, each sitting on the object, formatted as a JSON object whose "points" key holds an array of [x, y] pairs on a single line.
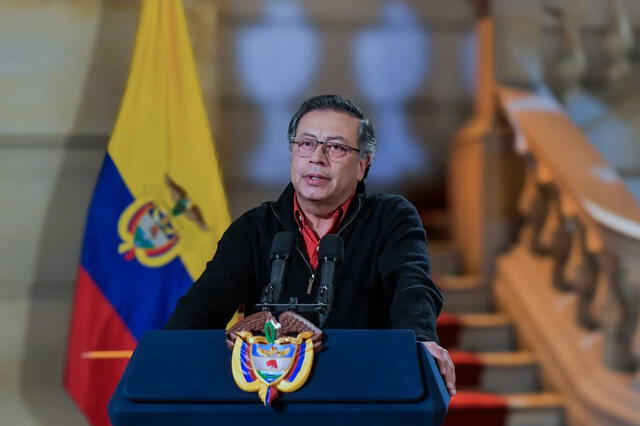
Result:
{"points": [[316, 177], [316, 180]]}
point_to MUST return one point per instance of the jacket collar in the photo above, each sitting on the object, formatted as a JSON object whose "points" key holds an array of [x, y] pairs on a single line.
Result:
{"points": [[284, 210]]}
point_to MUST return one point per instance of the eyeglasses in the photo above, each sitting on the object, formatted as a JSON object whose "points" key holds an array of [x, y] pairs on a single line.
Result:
{"points": [[306, 146]]}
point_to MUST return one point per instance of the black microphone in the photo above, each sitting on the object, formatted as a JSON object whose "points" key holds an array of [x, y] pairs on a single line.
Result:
{"points": [[330, 255], [280, 252]]}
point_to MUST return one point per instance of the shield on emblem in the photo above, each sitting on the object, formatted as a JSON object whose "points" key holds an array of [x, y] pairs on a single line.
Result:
{"points": [[268, 365], [148, 234], [271, 362], [153, 228]]}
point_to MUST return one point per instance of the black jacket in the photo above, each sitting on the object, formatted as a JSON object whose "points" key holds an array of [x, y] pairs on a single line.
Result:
{"points": [[383, 281]]}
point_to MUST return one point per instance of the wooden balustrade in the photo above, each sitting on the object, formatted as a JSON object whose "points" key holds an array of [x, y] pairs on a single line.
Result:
{"points": [[573, 276]]}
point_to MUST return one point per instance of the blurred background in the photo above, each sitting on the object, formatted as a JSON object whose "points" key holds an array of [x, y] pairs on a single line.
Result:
{"points": [[503, 218]]}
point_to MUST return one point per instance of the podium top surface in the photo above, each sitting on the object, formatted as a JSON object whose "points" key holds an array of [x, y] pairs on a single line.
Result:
{"points": [[354, 366]]}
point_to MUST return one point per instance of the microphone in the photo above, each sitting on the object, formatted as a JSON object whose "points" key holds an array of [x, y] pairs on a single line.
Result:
{"points": [[280, 252], [331, 251]]}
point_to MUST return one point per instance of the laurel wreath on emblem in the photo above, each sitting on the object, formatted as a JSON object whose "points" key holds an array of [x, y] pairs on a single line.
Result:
{"points": [[277, 361]]}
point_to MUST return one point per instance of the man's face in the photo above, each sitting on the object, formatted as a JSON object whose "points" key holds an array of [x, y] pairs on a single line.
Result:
{"points": [[319, 179]]}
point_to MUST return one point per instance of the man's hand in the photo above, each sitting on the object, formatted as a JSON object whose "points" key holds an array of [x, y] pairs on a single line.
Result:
{"points": [[445, 364]]}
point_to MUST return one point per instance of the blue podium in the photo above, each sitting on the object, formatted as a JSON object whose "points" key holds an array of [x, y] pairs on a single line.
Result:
{"points": [[361, 377]]}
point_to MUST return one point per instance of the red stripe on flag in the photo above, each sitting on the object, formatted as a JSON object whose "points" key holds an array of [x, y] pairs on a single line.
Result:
{"points": [[95, 326]]}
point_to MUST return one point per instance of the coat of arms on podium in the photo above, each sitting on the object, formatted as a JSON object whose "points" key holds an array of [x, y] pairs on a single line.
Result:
{"points": [[277, 361]]}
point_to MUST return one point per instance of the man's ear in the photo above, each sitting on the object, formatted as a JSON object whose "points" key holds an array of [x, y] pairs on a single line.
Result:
{"points": [[363, 167]]}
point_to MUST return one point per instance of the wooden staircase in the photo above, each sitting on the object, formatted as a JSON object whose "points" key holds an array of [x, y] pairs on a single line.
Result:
{"points": [[498, 381], [555, 226]]}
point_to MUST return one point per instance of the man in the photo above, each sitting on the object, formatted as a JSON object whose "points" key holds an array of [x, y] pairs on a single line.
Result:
{"points": [[384, 279]]}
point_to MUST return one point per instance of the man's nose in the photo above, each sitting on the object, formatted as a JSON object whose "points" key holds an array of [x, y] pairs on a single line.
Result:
{"points": [[319, 155]]}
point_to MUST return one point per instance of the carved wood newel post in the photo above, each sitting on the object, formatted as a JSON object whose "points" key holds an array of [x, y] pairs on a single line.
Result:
{"points": [[477, 164]]}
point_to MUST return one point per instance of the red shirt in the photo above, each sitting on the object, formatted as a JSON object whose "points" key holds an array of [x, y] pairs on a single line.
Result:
{"points": [[311, 239]]}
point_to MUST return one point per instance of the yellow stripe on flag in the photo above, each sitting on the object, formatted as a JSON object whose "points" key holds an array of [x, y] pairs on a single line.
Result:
{"points": [[162, 130]]}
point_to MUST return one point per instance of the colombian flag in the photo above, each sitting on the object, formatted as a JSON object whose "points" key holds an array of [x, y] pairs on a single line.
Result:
{"points": [[156, 215]]}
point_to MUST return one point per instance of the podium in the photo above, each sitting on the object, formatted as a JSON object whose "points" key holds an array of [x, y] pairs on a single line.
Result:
{"points": [[372, 377]]}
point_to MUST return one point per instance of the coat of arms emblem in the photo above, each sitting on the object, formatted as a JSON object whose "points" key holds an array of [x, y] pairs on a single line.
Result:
{"points": [[277, 361], [150, 227]]}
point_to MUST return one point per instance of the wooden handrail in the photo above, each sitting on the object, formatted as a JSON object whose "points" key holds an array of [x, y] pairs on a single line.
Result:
{"points": [[575, 164]]}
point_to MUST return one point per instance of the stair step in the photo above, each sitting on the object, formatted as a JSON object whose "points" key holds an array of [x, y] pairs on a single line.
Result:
{"points": [[526, 409], [465, 293], [445, 259], [545, 408], [498, 372], [479, 332]]}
